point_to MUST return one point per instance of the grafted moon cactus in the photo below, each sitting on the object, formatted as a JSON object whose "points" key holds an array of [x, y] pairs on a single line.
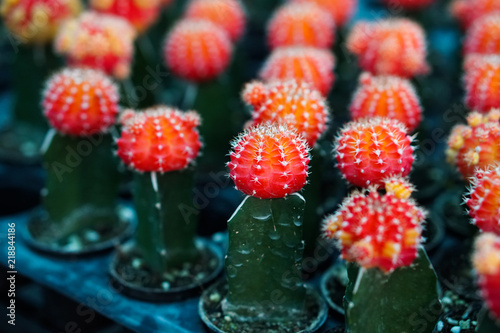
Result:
{"points": [[481, 76], [483, 36], [341, 10], [468, 11]]}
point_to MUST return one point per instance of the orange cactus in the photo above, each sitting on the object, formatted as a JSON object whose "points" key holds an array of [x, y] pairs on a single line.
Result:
{"points": [[269, 161], [140, 13], [37, 21], [486, 260], [377, 230], [484, 201], [159, 139], [467, 11], [390, 47], [298, 105], [80, 102], [311, 65], [197, 50], [409, 4], [304, 24], [483, 36], [341, 10], [476, 145], [98, 41], [368, 151], [482, 74], [386, 96], [228, 14]]}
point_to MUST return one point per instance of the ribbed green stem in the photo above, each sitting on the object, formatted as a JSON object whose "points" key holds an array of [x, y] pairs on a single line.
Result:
{"points": [[486, 324], [82, 181], [263, 262], [313, 197], [166, 224], [405, 300]]}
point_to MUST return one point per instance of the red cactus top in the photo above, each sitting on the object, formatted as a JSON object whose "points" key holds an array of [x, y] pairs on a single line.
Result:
{"points": [[98, 41], [483, 36], [484, 201], [80, 102], [408, 4], [482, 74], [228, 14], [304, 24], [486, 260], [390, 47], [197, 50], [308, 64], [370, 150], [36, 21], [298, 105], [140, 13], [376, 230], [475, 145], [387, 96], [269, 161], [159, 139], [467, 11], [341, 10]]}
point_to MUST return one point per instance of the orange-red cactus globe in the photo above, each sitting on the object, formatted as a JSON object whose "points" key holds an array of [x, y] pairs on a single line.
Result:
{"points": [[340, 10], [159, 139], [80, 102], [482, 74], [483, 36], [269, 161], [468, 11]]}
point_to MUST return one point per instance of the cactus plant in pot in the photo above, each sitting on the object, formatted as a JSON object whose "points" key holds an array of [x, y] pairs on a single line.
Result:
{"points": [[165, 260], [264, 289], [80, 202]]}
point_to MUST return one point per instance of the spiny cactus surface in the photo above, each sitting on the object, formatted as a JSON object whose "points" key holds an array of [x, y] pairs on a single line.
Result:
{"points": [[482, 74], [341, 10]]}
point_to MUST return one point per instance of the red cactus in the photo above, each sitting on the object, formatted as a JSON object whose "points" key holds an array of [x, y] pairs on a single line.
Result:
{"points": [[269, 161], [305, 24], [482, 74], [408, 4], [98, 41], [370, 150], [387, 96], [341, 10], [377, 230], [483, 36], [159, 139], [486, 260], [476, 145], [298, 105], [467, 11], [390, 47], [36, 21], [484, 201], [228, 14], [80, 102], [197, 50], [311, 65], [140, 13]]}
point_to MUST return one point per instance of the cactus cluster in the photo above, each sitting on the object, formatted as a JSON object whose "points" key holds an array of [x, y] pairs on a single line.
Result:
{"points": [[483, 37], [475, 145], [296, 104], [468, 11], [340, 10], [370, 150], [393, 46], [481, 76], [386, 96]]}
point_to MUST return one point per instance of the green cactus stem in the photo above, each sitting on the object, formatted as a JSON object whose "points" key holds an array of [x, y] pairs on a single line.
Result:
{"points": [[486, 323], [263, 263], [166, 227], [405, 300], [82, 183]]}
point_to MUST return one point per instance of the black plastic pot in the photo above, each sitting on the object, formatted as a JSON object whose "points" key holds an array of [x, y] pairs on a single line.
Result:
{"points": [[333, 285]]}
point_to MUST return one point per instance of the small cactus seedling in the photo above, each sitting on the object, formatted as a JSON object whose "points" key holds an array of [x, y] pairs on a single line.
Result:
{"points": [[228, 14], [386, 96], [484, 200], [341, 10], [390, 47], [140, 13], [468, 11], [311, 65], [98, 41], [409, 4], [298, 105], [370, 150], [304, 24], [481, 76], [475, 145], [268, 162], [197, 50], [486, 260], [380, 236], [37, 21], [483, 36], [161, 143]]}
